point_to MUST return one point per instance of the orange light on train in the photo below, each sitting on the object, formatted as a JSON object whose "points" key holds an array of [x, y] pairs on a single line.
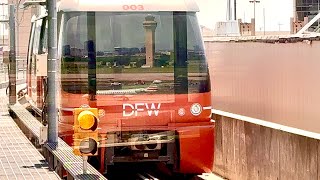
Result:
{"points": [[85, 137]]}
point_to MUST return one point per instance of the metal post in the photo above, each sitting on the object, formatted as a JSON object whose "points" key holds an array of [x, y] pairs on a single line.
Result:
{"points": [[12, 67], [295, 18], [254, 7], [52, 59], [254, 11], [235, 9], [17, 39], [279, 24], [229, 10], [85, 164], [318, 12]]}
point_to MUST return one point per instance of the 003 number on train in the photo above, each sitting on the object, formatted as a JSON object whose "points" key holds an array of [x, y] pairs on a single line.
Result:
{"points": [[133, 7]]}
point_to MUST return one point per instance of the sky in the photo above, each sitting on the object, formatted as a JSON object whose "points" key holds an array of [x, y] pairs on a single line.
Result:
{"points": [[276, 12]]}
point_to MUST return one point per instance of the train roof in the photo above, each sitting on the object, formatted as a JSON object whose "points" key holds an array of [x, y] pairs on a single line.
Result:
{"points": [[128, 5]]}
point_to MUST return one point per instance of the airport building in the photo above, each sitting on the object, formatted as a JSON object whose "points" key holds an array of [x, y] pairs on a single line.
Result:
{"points": [[307, 8], [23, 25]]}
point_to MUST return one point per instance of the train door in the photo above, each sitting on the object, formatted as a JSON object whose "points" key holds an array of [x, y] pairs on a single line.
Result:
{"points": [[29, 58], [41, 64], [37, 47]]}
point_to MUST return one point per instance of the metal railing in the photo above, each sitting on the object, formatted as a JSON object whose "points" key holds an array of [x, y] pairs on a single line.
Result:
{"points": [[21, 70]]}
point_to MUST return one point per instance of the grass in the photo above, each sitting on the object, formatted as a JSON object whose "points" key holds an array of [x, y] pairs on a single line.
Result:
{"points": [[107, 70]]}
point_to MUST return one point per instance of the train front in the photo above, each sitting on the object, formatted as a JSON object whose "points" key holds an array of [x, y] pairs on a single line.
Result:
{"points": [[147, 74]]}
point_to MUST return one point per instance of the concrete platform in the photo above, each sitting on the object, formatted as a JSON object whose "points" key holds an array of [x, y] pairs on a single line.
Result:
{"points": [[19, 159]]}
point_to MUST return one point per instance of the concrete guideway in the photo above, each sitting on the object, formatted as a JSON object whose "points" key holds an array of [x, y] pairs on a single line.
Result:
{"points": [[19, 159]]}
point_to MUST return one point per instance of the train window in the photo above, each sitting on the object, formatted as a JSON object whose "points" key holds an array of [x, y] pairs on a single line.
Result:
{"points": [[30, 48], [36, 38], [43, 45], [133, 50], [35, 48]]}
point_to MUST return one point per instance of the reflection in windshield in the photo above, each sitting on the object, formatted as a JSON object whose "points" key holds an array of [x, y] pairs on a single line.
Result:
{"points": [[131, 52]]}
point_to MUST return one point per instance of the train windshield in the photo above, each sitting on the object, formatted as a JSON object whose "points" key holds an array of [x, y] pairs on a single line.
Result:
{"points": [[109, 53]]}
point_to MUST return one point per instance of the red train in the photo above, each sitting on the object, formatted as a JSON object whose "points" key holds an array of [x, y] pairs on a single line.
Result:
{"points": [[142, 65]]}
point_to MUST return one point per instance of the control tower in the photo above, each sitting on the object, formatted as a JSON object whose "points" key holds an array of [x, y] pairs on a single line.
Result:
{"points": [[150, 26]]}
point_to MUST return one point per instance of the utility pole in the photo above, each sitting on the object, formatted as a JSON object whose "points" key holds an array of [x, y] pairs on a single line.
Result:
{"points": [[254, 7], [253, 22], [12, 57], [52, 59], [279, 24], [229, 9], [318, 12], [229, 12], [235, 9]]}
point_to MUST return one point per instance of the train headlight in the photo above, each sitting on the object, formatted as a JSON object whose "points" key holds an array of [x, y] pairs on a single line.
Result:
{"points": [[196, 109], [87, 120]]}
